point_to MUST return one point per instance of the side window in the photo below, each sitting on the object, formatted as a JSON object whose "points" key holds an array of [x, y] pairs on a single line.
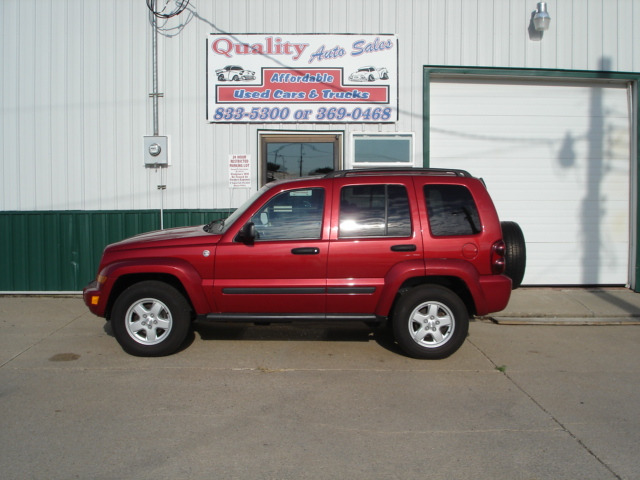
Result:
{"points": [[374, 211], [292, 215], [451, 210]]}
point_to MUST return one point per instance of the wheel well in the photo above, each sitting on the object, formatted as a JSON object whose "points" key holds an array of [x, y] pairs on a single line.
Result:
{"points": [[126, 281], [454, 284]]}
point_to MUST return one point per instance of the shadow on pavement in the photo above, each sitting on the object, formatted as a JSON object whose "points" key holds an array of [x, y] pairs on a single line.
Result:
{"points": [[297, 332], [315, 332]]}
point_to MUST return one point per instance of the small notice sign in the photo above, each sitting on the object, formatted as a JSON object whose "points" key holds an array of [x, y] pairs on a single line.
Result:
{"points": [[240, 171]]}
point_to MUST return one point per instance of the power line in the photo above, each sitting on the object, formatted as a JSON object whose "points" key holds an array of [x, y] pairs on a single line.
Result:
{"points": [[180, 6]]}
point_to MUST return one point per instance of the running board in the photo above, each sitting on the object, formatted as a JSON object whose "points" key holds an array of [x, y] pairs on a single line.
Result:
{"points": [[289, 317]]}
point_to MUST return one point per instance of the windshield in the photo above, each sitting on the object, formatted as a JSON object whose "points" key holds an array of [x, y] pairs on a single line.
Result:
{"points": [[243, 208]]}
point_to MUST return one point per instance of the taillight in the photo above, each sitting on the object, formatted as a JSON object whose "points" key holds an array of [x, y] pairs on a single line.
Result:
{"points": [[498, 263]]}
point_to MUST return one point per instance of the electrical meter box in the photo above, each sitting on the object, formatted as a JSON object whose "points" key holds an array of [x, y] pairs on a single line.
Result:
{"points": [[156, 151]]}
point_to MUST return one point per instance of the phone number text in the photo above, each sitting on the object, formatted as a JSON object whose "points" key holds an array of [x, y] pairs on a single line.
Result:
{"points": [[322, 114]]}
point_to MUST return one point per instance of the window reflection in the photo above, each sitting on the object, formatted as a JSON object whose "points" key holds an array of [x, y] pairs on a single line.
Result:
{"points": [[294, 160]]}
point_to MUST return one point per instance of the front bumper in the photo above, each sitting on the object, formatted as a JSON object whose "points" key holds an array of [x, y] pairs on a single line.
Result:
{"points": [[92, 296]]}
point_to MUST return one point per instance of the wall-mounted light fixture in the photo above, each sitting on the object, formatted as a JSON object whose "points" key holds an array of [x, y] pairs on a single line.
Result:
{"points": [[541, 18]]}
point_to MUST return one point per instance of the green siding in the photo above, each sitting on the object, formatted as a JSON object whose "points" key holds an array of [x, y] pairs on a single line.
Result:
{"points": [[56, 251]]}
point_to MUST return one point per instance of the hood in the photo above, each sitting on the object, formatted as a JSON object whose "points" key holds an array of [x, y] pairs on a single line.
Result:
{"points": [[183, 236]]}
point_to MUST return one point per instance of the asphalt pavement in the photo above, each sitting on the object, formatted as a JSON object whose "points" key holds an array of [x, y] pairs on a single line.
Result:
{"points": [[556, 396]]}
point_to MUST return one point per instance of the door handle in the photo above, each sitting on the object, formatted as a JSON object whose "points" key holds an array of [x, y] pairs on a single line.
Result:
{"points": [[306, 251], [404, 248]]}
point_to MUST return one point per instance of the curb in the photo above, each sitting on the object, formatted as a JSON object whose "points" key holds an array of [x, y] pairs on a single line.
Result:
{"points": [[576, 321]]}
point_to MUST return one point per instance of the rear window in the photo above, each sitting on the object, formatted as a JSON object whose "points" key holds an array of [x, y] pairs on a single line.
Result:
{"points": [[451, 210]]}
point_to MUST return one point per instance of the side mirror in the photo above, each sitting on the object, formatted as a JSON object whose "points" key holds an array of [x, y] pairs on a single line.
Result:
{"points": [[247, 233]]}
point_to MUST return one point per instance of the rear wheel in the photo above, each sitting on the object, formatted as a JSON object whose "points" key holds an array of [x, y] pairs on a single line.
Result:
{"points": [[151, 319], [430, 322]]}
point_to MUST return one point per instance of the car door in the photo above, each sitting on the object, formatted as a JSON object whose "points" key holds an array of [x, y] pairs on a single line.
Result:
{"points": [[373, 230], [283, 269]]}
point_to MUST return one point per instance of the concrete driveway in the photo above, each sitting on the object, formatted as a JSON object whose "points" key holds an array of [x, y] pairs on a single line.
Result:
{"points": [[296, 402]]}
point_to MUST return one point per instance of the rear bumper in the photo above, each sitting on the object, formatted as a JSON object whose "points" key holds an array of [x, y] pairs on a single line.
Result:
{"points": [[496, 292]]}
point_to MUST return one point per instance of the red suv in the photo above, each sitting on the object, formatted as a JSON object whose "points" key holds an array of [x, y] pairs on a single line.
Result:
{"points": [[422, 249]]}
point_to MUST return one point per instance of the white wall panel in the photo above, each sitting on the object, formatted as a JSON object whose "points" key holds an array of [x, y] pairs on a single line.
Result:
{"points": [[624, 55], [26, 101], [42, 123], [77, 73]]}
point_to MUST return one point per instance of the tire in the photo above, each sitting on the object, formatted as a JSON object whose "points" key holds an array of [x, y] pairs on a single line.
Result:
{"points": [[516, 252], [430, 322], [146, 302], [221, 78]]}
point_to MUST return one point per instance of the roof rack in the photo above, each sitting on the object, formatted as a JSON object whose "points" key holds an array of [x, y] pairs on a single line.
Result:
{"points": [[399, 171]]}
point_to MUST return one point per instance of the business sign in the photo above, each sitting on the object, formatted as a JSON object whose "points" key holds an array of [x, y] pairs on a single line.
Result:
{"points": [[302, 78]]}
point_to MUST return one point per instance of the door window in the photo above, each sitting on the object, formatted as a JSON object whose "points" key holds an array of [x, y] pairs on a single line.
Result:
{"points": [[291, 215], [374, 211]]}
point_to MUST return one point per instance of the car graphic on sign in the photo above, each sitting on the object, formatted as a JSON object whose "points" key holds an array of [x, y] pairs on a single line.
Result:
{"points": [[369, 74], [235, 73]]}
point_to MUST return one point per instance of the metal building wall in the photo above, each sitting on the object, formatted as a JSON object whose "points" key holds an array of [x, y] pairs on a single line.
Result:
{"points": [[76, 77]]}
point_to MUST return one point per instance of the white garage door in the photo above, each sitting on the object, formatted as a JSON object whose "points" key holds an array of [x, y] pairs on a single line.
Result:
{"points": [[555, 158]]}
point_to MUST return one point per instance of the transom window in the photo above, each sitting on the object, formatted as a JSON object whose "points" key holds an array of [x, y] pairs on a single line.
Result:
{"points": [[382, 150]]}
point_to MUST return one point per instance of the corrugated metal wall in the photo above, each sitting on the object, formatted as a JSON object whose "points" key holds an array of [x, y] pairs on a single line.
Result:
{"points": [[76, 78], [60, 251], [74, 101]]}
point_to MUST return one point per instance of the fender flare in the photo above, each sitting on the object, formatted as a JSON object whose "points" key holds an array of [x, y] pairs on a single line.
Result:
{"points": [[459, 269], [466, 273], [182, 270], [394, 279]]}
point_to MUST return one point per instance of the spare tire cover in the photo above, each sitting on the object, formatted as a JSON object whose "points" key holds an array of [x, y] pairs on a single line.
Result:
{"points": [[516, 252]]}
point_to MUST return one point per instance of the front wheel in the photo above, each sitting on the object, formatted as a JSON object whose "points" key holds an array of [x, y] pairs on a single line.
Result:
{"points": [[151, 319], [430, 322]]}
